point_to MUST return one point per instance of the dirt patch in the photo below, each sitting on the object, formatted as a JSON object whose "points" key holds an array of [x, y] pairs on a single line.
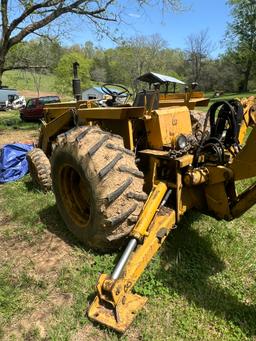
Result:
{"points": [[41, 260], [30, 94], [18, 135], [90, 333], [38, 320]]}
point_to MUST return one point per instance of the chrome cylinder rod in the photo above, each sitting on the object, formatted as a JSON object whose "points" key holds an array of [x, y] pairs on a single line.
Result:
{"points": [[131, 247], [123, 260], [166, 197]]}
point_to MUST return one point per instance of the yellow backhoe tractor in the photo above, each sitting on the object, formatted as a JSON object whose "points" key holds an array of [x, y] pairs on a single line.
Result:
{"points": [[126, 174]]}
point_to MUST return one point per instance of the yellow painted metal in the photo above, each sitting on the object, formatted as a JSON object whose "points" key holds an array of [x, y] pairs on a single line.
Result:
{"points": [[113, 113], [215, 191], [248, 117], [179, 185], [150, 172], [190, 99], [120, 318], [217, 201], [156, 153], [196, 176], [53, 128], [218, 174], [166, 125], [130, 144], [70, 104], [51, 114], [185, 160], [114, 305], [244, 201], [149, 210], [157, 233], [244, 164], [120, 127], [53, 110]]}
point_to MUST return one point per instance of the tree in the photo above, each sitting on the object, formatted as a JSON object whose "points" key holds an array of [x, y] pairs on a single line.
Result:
{"points": [[20, 18], [241, 37], [198, 49], [64, 73], [39, 56], [44, 55], [136, 56], [173, 60]]}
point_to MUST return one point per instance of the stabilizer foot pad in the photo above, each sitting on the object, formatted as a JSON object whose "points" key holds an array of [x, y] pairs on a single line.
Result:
{"points": [[120, 317]]}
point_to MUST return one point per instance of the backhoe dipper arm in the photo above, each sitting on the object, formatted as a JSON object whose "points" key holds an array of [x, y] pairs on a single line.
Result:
{"points": [[115, 305]]}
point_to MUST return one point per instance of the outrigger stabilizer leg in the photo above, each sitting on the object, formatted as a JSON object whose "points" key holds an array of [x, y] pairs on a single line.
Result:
{"points": [[114, 305]]}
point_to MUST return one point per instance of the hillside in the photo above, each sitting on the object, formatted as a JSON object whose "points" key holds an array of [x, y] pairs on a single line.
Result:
{"points": [[23, 82]]}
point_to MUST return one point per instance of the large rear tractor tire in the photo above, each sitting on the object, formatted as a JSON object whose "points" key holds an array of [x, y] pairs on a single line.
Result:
{"points": [[40, 169], [98, 188], [198, 120]]}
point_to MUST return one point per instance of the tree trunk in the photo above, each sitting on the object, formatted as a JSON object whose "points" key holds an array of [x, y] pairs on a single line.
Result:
{"points": [[2, 62], [247, 76], [1, 74]]}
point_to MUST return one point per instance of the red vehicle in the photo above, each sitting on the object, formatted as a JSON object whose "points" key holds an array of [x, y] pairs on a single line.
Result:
{"points": [[34, 107]]}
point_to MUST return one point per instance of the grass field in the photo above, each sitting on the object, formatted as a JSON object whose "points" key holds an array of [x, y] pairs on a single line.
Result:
{"points": [[21, 80], [201, 286]]}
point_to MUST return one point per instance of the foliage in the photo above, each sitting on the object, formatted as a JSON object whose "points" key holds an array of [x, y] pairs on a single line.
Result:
{"points": [[241, 37], [64, 72], [35, 58], [124, 63], [19, 19], [136, 56], [42, 53], [23, 80]]}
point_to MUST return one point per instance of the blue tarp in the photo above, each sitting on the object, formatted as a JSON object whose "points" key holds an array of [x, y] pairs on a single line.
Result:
{"points": [[13, 162]]}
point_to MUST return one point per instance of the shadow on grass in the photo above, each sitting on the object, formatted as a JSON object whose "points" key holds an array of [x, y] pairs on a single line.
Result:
{"points": [[31, 187], [53, 222], [193, 261]]}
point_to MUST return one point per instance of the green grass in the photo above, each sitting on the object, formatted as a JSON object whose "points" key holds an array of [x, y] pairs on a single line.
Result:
{"points": [[10, 120], [229, 95], [226, 96], [21, 80], [201, 286]]}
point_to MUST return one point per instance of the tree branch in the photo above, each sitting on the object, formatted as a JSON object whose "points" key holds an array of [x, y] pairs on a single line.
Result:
{"points": [[41, 35], [30, 11], [60, 10]]}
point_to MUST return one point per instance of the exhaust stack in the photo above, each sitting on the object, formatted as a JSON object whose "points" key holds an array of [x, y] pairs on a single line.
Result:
{"points": [[76, 83]]}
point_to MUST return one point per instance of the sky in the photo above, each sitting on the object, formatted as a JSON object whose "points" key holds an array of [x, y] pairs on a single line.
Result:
{"points": [[174, 28]]}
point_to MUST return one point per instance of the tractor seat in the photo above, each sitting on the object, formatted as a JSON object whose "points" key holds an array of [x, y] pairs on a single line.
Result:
{"points": [[150, 95]]}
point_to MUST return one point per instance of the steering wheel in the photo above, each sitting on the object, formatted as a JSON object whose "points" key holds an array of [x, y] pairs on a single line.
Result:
{"points": [[124, 93]]}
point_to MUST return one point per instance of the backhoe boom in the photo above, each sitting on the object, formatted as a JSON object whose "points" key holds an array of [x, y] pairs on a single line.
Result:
{"points": [[115, 305]]}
